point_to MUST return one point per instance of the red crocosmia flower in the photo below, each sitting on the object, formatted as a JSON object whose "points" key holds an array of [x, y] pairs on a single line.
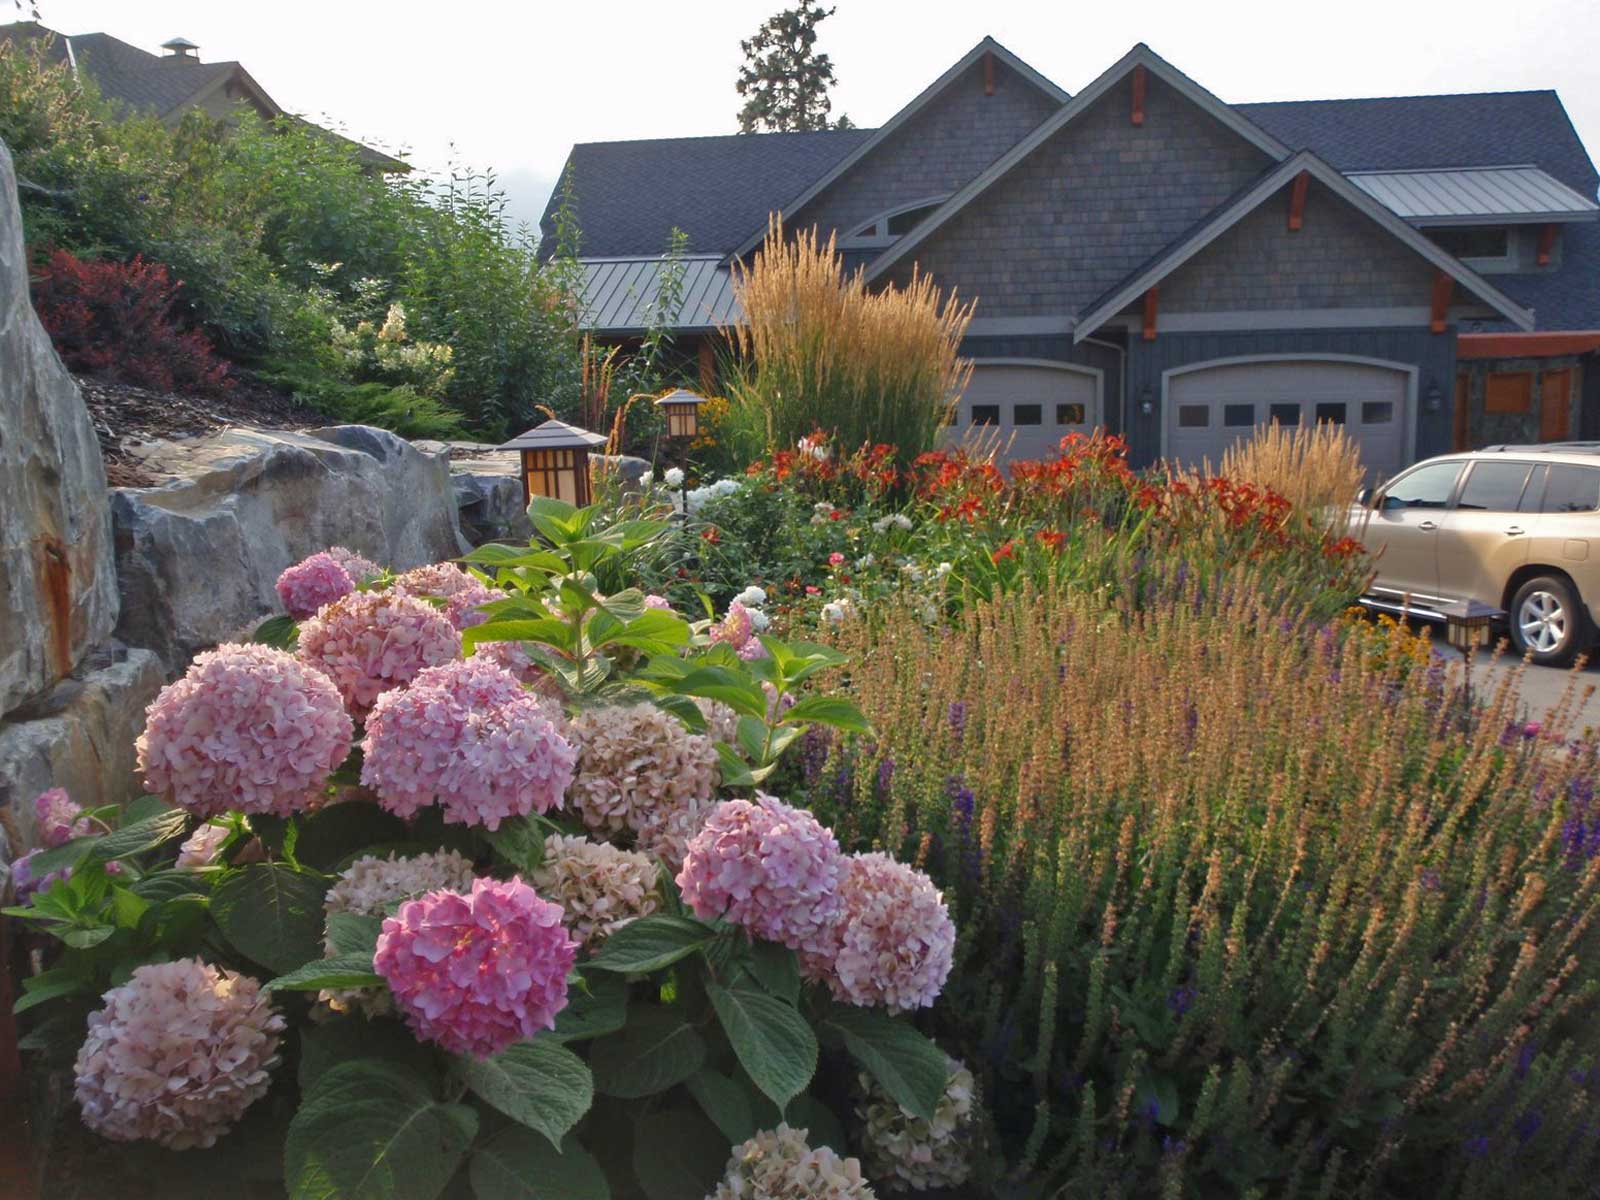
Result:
{"points": [[844, 578], [711, 535], [1008, 550], [835, 559], [1052, 538], [813, 591], [836, 515]]}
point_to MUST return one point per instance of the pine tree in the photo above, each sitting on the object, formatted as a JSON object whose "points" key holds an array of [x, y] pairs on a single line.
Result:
{"points": [[783, 80]]}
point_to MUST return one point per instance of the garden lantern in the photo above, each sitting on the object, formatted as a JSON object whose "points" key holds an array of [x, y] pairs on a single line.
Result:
{"points": [[555, 461], [682, 409], [1469, 624]]}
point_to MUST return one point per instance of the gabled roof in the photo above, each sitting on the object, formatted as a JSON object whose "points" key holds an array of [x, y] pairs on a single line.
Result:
{"points": [[1476, 196], [630, 195], [1270, 184], [987, 46], [617, 294], [1140, 56]]}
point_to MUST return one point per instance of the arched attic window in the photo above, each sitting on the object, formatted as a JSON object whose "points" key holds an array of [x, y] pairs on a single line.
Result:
{"points": [[889, 225]]}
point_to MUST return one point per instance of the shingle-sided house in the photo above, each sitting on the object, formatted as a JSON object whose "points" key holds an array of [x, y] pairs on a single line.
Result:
{"points": [[1148, 258], [165, 86]]}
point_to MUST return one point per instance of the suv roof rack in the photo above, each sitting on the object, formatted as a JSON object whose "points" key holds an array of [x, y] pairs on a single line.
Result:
{"points": [[1545, 448]]}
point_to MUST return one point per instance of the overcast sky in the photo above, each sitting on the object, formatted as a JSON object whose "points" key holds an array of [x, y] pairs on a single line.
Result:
{"points": [[511, 84]]}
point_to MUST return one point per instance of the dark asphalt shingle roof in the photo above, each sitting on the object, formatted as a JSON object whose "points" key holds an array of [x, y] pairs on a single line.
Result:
{"points": [[718, 190]]}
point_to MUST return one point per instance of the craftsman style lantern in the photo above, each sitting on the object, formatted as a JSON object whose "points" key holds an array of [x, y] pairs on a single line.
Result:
{"points": [[555, 461], [682, 408], [1469, 624]]}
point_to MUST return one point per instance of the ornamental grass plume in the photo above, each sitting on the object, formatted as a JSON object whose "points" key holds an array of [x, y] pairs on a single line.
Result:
{"points": [[892, 941], [779, 1165], [312, 582], [248, 728], [466, 735], [903, 1151], [461, 592], [773, 869], [633, 760], [370, 642], [600, 887], [369, 887], [474, 973], [176, 1055]]}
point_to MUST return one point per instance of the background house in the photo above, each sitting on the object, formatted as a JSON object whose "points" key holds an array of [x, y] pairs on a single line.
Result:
{"points": [[1148, 258], [166, 86]]}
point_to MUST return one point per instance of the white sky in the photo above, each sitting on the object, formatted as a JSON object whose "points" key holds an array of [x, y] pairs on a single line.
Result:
{"points": [[511, 84]]}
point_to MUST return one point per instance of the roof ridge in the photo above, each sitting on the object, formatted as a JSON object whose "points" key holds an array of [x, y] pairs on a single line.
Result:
{"points": [[1390, 99], [707, 137]]}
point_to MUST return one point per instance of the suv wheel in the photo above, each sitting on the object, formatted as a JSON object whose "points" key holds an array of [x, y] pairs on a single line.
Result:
{"points": [[1548, 621]]}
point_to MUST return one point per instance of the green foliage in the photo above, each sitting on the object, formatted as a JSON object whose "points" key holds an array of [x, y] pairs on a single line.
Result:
{"points": [[783, 80]]}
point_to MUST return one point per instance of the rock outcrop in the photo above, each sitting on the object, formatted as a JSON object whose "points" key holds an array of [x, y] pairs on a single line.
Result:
{"points": [[198, 554], [58, 592], [488, 491]]}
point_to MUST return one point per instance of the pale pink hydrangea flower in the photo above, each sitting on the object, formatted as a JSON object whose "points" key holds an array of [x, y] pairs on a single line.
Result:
{"points": [[780, 1165], [771, 868], [467, 735], [357, 566], [476, 972], [462, 593], [738, 631], [510, 656], [312, 582], [176, 1055], [201, 847], [59, 818], [907, 1152], [368, 886], [665, 832], [370, 642], [893, 941], [248, 728], [635, 759], [654, 601], [600, 887]]}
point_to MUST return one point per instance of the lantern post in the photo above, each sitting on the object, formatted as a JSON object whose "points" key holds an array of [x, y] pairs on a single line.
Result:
{"points": [[555, 461]]}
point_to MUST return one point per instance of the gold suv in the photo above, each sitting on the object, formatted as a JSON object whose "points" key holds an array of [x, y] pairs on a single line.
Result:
{"points": [[1515, 527]]}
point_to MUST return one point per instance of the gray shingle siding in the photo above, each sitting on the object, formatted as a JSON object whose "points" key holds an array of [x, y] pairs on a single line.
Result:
{"points": [[1090, 205], [960, 132], [1338, 259]]}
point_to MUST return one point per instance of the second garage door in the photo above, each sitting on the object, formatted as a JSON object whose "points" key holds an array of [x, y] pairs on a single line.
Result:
{"points": [[1031, 405], [1211, 408]]}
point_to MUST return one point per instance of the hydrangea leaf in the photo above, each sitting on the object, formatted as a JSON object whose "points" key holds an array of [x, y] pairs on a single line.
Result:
{"points": [[601, 1010], [656, 1050], [272, 914], [329, 835], [728, 1102], [341, 971], [777, 969], [828, 710], [372, 1130], [516, 1164], [677, 1155], [142, 835], [326, 1044], [280, 632], [539, 1083], [821, 1125], [908, 1066], [774, 1043], [651, 943], [519, 841]]}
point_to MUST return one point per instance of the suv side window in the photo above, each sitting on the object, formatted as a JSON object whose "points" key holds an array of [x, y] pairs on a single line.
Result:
{"points": [[1429, 486], [1571, 489], [1494, 486]]}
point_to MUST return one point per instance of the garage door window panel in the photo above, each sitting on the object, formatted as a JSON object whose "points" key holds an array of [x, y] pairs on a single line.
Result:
{"points": [[1494, 487], [1193, 416], [1236, 416], [1377, 412], [986, 414], [1427, 487], [1331, 413], [1287, 415], [1069, 414], [1027, 414]]}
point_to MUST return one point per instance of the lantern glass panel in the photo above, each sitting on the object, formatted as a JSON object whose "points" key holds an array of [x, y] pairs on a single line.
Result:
{"points": [[682, 420]]}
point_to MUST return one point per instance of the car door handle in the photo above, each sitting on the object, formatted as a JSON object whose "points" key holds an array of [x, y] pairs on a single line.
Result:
{"points": [[1515, 531], [1427, 525]]}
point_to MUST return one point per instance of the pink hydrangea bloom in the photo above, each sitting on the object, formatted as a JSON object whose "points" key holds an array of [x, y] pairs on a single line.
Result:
{"points": [[176, 1055], [893, 942], [462, 593], [738, 631], [59, 819], [200, 848], [467, 735], [476, 972], [311, 583], [510, 656], [248, 728], [357, 566], [636, 759], [766, 866], [25, 884], [654, 601], [370, 642]]}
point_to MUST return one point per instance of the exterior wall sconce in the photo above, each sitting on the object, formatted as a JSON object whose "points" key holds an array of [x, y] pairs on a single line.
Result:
{"points": [[682, 409], [1434, 399], [1147, 404], [555, 461]]}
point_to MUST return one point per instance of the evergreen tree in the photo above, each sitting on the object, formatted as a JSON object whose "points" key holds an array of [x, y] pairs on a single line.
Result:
{"points": [[784, 81]]}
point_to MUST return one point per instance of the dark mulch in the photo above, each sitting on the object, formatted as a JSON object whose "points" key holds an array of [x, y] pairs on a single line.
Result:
{"points": [[124, 416]]}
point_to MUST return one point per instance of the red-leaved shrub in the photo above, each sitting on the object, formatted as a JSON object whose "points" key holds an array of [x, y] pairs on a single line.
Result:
{"points": [[115, 319]]}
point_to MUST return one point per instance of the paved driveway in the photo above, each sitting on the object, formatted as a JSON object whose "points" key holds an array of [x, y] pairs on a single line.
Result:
{"points": [[1537, 693]]}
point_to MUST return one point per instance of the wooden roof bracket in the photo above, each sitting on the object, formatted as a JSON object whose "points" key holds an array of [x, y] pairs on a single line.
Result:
{"points": [[1297, 201], [1152, 304], [1138, 94], [1443, 288]]}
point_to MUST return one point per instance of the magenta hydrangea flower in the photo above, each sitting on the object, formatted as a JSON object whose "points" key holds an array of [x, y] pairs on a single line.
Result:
{"points": [[462, 593], [467, 735], [737, 629], [311, 583], [370, 642], [248, 728], [476, 972], [893, 941], [771, 868], [60, 819]]}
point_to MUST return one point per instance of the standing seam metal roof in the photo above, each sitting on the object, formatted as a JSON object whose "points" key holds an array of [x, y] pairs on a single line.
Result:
{"points": [[1469, 194]]}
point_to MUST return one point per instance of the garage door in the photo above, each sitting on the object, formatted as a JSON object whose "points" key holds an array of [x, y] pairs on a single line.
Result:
{"points": [[1032, 406], [1211, 408]]}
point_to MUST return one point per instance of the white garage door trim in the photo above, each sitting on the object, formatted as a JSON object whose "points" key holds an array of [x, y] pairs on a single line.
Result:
{"points": [[1097, 418], [1409, 370]]}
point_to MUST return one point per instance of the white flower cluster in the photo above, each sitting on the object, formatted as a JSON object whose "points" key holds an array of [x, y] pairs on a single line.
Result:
{"points": [[673, 478], [836, 612], [779, 1165], [696, 499], [754, 600], [817, 450], [904, 1151], [821, 512], [892, 521]]}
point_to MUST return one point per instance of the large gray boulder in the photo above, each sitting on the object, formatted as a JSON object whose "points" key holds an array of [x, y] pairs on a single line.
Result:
{"points": [[79, 735], [58, 593], [488, 486], [197, 555]]}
